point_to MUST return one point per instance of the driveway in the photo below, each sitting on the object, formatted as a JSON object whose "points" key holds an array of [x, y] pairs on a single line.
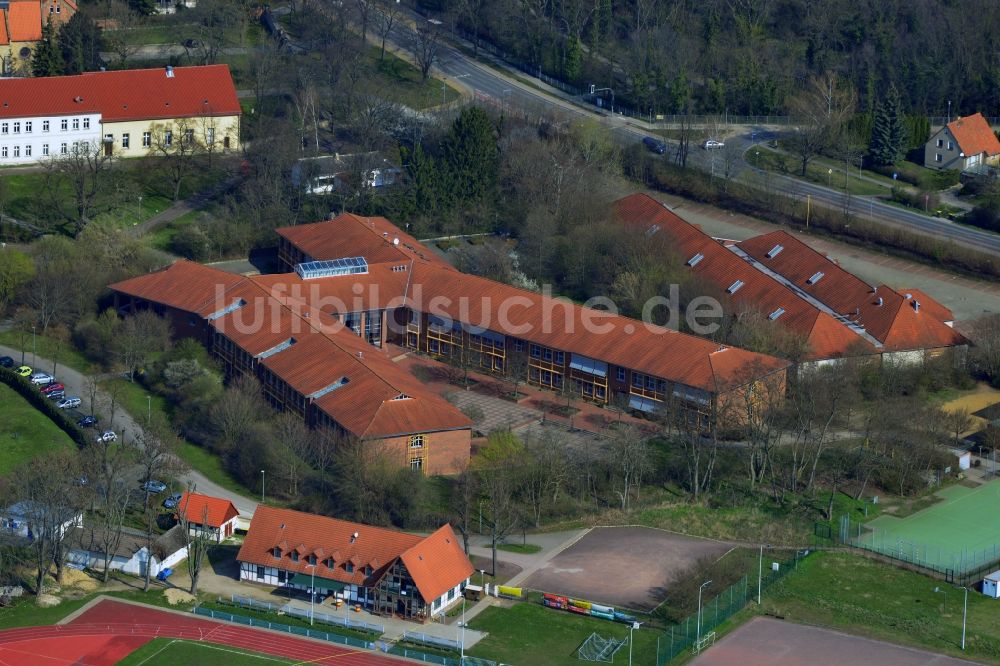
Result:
{"points": [[125, 424]]}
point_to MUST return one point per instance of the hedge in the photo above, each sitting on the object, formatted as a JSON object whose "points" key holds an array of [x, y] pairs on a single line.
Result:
{"points": [[47, 407]]}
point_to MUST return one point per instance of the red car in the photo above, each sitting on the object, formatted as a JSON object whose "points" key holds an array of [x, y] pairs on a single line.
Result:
{"points": [[54, 386]]}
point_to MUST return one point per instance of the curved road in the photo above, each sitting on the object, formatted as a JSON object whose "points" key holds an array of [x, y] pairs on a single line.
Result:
{"points": [[502, 89], [125, 425]]}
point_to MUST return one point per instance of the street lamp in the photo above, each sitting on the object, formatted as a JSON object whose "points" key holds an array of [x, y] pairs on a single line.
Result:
{"points": [[965, 614], [312, 592], [482, 578], [33, 361], [261, 486], [634, 625], [760, 571], [703, 586], [462, 647]]}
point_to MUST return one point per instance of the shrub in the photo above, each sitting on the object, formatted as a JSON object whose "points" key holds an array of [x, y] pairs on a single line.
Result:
{"points": [[190, 242]]}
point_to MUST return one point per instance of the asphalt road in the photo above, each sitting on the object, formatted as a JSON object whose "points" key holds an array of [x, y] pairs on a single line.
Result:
{"points": [[499, 89], [126, 427]]}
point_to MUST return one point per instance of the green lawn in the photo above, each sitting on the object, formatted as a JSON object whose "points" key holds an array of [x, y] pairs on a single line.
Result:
{"points": [[26, 433], [400, 82], [532, 635], [524, 549], [48, 348], [816, 172], [26, 613], [878, 600], [170, 651], [778, 526]]}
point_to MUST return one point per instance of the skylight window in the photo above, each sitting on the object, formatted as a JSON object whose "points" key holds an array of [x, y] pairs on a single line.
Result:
{"points": [[734, 287], [280, 347], [232, 307], [327, 389], [693, 261], [775, 251], [332, 268], [777, 313], [816, 277], [652, 230]]}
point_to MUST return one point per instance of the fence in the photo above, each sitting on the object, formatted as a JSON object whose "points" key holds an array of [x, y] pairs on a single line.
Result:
{"points": [[275, 626], [333, 620], [959, 566], [715, 611], [433, 641]]}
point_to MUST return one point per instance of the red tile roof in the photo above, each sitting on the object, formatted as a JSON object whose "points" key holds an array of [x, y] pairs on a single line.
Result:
{"points": [[884, 313], [184, 285], [4, 38], [25, 20], [205, 509], [350, 235], [974, 135], [436, 563], [721, 267], [134, 94]]}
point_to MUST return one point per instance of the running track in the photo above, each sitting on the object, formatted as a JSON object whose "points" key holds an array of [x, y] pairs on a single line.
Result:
{"points": [[109, 630]]}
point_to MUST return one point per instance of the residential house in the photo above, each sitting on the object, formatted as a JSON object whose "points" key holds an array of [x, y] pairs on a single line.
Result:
{"points": [[171, 6], [208, 517], [327, 174], [387, 571], [20, 32], [131, 113], [966, 144], [132, 556], [29, 519]]}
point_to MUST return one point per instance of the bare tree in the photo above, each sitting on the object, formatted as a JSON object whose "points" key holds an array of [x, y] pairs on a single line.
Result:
{"points": [[155, 448], [426, 46], [197, 539], [386, 15], [821, 111], [175, 150], [463, 504], [364, 11], [515, 370], [119, 40], [499, 507], [629, 455], [107, 465], [140, 335], [84, 169], [958, 422]]}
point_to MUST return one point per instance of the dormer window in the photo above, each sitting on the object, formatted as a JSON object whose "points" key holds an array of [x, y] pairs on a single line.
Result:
{"points": [[329, 562], [368, 571], [295, 556], [277, 553], [348, 567], [312, 560]]}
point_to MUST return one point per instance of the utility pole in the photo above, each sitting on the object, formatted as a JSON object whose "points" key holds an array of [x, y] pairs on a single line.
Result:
{"points": [[703, 586]]}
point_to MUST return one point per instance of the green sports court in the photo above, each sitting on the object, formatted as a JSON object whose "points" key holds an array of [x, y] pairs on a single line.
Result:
{"points": [[958, 533]]}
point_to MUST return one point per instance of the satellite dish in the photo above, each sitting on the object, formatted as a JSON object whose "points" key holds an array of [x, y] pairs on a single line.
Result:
{"points": [[395, 241]]}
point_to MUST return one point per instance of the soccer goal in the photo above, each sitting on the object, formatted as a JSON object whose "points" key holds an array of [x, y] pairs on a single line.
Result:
{"points": [[598, 648]]}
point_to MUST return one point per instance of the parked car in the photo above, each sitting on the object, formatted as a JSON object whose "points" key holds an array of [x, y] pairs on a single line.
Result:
{"points": [[69, 403], [42, 378], [57, 394], [6, 362], [53, 386], [655, 145], [88, 421], [24, 371], [712, 144], [171, 502], [107, 436], [154, 486]]}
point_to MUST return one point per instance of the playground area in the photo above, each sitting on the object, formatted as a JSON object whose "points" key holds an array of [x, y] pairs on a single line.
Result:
{"points": [[624, 567], [956, 533], [765, 641]]}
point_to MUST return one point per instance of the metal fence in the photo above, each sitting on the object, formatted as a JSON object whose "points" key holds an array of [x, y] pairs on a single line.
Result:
{"points": [[276, 626], [247, 602], [424, 656], [717, 610], [334, 620], [435, 641]]}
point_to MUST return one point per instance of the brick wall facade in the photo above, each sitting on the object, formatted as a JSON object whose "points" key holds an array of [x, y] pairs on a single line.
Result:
{"points": [[445, 452]]}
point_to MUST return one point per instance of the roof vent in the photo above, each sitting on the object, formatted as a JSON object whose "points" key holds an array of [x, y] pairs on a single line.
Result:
{"points": [[879, 301], [775, 251], [777, 313], [77, 99], [395, 241], [693, 261], [354, 537], [916, 306], [816, 277], [170, 71], [909, 296], [360, 354], [734, 287]]}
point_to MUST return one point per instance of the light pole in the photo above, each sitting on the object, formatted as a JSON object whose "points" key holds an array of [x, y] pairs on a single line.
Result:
{"points": [[945, 593], [965, 614], [261, 486], [312, 592], [482, 578], [703, 586], [462, 648], [633, 626], [760, 572], [33, 361]]}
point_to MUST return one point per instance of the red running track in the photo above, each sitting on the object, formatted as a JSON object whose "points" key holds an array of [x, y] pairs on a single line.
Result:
{"points": [[121, 625]]}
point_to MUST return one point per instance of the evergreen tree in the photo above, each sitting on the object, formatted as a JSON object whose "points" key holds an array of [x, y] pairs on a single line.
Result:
{"points": [[46, 60], [888, 136], [571, 65], [472, 156], [80, 44], [426, 186]]}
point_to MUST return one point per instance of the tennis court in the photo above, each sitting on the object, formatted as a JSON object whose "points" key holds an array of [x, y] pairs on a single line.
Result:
{"points": [[959, 533]]}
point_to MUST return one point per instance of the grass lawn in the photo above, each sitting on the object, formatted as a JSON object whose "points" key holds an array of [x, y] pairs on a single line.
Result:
{"points": [[524, 549], [26, 613], [771, 160], [48, 348], [878, 600], [26, 433], [532, 635], [170, 651], [778, 526]]}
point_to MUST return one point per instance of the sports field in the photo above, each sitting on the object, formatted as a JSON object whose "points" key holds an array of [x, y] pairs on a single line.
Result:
{"points": [[172, 651], [955, 533]]}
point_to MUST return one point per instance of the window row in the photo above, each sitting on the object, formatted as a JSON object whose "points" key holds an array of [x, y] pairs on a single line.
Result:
{"points": [[312, 560], [648, 382], [14, 127], [546, 354]]}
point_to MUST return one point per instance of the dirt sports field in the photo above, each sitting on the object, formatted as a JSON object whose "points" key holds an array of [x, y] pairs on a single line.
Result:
{"points": [[625, 567], [765, 641]]}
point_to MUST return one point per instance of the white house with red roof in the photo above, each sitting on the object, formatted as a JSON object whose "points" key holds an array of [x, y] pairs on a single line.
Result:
{"points": [[207, 516], [965, 144], [388, 571], [128, 113]]}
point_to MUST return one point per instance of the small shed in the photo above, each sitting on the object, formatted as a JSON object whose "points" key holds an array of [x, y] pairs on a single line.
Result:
{"points": [[991, 585], [964, 458]]}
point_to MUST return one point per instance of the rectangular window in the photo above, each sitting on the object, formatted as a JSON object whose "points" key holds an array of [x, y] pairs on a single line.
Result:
{"points": [[109, 138], [416, 441], [17, 128], [547, 354], [312, 560], [951, 146], [45, 149], [348, 567], [63, 148], [3, 151], [536, 351], [4, 128], [86, 123], [277, 553], [189, 136], [125, 140], [146, 139], [260, 573], [295, 556], [560, 358], [76, 123], [17, 151], [937, 157], [210, 135], [601, 392], [650, 383], [45, 126], [940, 142], [637, 380], [27, 150], [168, 138], [64, 124], [27, 127], [519, 345], [621, 374], [416, 464]]}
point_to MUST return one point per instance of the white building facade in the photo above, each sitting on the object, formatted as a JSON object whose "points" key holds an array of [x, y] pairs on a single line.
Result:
{"points": [[32, 139]]}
